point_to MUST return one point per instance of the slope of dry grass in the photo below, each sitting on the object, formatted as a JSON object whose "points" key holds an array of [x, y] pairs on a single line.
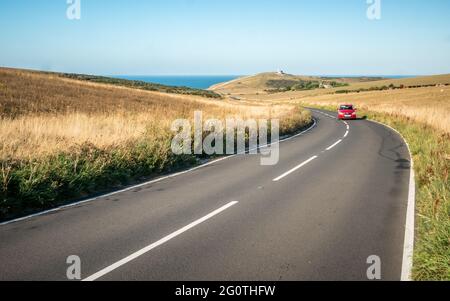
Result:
{"points": [[43, 114], [258, 82], [252, 88], [429, 106], [407, 82], [61, 139]]}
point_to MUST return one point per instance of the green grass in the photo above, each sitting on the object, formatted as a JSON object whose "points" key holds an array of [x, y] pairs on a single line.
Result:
{"points": [[31, 186], [431, 153]]}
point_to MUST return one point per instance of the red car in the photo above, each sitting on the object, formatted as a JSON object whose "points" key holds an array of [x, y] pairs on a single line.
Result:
{"points": [[347, 112]]}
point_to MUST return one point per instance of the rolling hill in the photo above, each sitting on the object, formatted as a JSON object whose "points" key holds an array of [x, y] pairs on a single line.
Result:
{"points": [[63, 138], [255, 87]]}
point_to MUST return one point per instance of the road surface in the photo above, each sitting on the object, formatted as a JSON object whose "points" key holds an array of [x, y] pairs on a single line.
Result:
{"points": [[338, 195]]}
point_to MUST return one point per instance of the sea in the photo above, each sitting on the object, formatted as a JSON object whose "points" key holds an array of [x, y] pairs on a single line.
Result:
{"points": [[206, 81], [190, 81]]}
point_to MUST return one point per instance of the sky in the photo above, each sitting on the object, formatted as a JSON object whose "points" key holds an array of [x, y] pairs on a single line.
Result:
{"points": [[193, 37]]}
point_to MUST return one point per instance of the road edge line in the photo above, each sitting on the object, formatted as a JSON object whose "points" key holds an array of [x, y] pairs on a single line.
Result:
{"points": [[408, 245]]}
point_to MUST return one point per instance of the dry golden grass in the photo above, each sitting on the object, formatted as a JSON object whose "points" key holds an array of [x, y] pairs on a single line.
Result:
{"points": [[414, 81], [43, 114], [258, 83], [426, 105], [253, 87], [62, 139]]}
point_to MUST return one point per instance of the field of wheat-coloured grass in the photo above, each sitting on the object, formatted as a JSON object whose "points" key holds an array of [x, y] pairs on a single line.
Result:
{"points": [[429, 105], [62, 139]]}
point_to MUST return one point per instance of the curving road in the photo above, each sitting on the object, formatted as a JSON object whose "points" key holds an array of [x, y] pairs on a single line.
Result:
{"points": [[317, 215]]}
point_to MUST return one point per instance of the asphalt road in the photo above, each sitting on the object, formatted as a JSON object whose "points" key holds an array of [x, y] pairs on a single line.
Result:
{"points": [[317, 215]]}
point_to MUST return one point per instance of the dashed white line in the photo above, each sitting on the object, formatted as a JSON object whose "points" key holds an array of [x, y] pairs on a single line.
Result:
{"points": [[332, 146], [157, 244], [346, 134], [294, 169], [314, 157]]}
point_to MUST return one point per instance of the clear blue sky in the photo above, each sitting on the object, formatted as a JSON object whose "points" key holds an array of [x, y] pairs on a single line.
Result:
{"points": [[144, 37]]}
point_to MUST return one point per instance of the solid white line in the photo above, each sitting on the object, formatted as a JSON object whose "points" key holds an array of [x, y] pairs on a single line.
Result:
{"points": [[332, 146], [294, 169], [408, 245], [408, 254], [157, 244], [346, 134], [149, 182]]}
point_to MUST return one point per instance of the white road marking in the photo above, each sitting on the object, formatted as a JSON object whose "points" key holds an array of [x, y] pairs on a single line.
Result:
{"points": [[332, 146], [157, 244], [408, 245], [294, 169], [345, 122]]}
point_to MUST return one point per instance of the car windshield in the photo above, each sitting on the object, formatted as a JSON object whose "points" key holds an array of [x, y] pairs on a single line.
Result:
{"points": [[346, 108]]}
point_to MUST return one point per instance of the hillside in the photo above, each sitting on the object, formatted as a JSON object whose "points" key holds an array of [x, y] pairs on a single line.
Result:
{"points": [[258, 87], [62, 139], [271, 82], [425, 99], [420, 81], [125, 83], [428, 105]]}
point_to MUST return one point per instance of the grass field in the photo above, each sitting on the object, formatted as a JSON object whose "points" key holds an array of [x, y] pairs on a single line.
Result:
{"points": [[62, 139], [430, 105]]}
